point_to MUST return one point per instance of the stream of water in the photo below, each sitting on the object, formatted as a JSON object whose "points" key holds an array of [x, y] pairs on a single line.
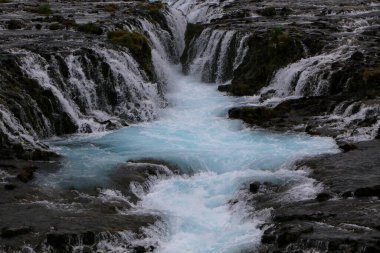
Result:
{"points": [[194, 133]]}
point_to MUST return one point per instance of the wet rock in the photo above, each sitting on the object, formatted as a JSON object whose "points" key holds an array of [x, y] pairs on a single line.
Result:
{"points": [[285, 11], [357, 56], [254, 187], [347, 147], [139, 249], [9, 232], [9, 187], [224, 88], [291, 234], [341, 225], [373, 191], [347, 194], [324, 196], [27, 174], [65, 240], [15, 24], [267, 12]]}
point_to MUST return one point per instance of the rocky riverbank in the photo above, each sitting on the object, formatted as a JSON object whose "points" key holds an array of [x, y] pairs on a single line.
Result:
{"points": [[44, 219], [343, 217]]}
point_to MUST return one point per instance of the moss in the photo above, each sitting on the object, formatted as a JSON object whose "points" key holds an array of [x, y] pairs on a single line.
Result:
{"points": [[138, 46], [90, 28], [43, 9], [370, 73], [110, 8], [153, 11]]}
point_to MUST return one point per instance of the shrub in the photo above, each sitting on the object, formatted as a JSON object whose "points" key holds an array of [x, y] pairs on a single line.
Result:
{"points": [[43, 9], [90, 28], [110, 8]]}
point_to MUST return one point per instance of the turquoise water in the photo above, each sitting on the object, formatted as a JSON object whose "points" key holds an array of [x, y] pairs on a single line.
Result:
{"points": [[195, 133]]}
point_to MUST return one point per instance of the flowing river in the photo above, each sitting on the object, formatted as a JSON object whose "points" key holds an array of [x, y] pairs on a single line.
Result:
{"points": [[218, 155]]}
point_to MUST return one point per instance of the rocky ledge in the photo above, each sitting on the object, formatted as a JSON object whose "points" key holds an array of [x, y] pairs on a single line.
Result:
{"points": [[344, 217], [48, 219]]}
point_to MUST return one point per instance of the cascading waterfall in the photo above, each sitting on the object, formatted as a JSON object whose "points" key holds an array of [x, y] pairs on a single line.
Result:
{"points": [[215, 54], [200, 11], [100, 88], [308, 76]]}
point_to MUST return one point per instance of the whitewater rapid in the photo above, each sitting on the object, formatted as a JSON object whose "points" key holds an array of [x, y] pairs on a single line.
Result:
{"points": [[219, 157]]}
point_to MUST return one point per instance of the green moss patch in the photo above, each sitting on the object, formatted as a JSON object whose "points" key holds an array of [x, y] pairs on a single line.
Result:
{"points": [[90, 28], [138, 46], [42, 9]]}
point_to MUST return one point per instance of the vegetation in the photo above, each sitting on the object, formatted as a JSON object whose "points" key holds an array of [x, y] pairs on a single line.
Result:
{"points": [[369, 73], [42, 9], [90, 28], [138, 46], [4, 1], [110, 7]]}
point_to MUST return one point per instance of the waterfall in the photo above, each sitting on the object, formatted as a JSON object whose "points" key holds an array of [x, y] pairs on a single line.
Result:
{"points": [[308, 76], [97, 87], [215, 54], [200, 11]]}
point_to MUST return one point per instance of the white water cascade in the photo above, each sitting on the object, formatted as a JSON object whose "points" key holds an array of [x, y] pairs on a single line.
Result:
{"points": [[307, 77], [215, 54]]}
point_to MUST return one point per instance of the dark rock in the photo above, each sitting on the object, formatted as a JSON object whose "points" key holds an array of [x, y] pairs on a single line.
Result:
{"points": [[41, 155], [267, 12], [285, 11], [324, 196], [59, 241], [224, 88], [27, 174], [347, 194], [347, 147], [373, 191], [9, 232], [254, 187], [15, 24], [9, 187], [291, 234], [357, 56], [139, 249]]}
